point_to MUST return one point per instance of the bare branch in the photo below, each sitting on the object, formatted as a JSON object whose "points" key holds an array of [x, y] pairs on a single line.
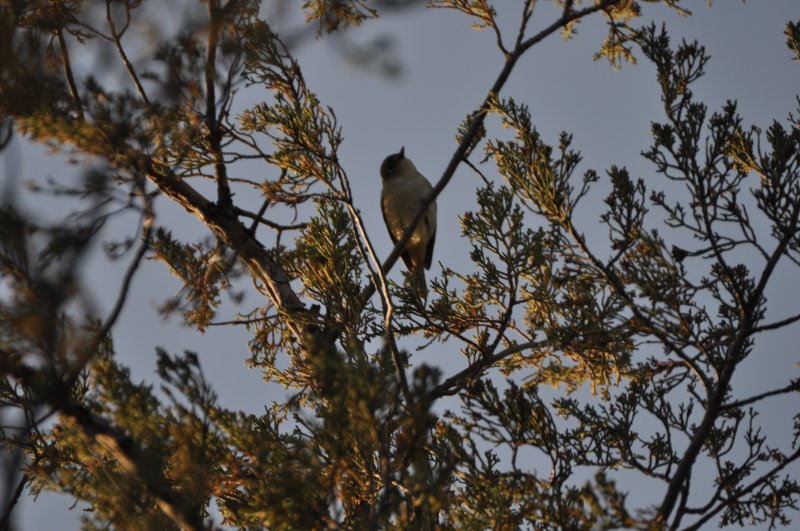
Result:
{"points": [[73, 88], [117, 38], [457, 381], [793, 387], [777, 324], [224, 197]]}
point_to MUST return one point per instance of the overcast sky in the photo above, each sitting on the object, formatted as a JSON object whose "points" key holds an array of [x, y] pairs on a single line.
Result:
{"points": [[447, 68]]}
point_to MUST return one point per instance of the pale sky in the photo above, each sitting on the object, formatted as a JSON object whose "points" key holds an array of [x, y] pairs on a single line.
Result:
{"points": [[447, 69]]}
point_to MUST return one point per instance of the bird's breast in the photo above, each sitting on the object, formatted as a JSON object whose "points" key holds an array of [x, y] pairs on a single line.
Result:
{"points": [[400, 200]]}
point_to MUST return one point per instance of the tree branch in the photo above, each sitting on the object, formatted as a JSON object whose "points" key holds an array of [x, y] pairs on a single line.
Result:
{"points": [[749, 488], [5, 521], [452, 384], [259, 219], [791, 388], [73, 88], [224, 197], [239, 239], [117, 38], [128, 278], [714, 406], [58, 394], [777, 324], [126, 451]]}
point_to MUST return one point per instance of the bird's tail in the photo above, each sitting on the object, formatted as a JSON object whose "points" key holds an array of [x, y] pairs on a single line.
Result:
{"points": [[418, 278]]}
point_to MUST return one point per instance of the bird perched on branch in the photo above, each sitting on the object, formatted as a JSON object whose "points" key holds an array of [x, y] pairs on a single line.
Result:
{"points": [[404, 190]]}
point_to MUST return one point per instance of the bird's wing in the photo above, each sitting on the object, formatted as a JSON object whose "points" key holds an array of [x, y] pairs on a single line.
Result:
{"points": [[404, 255], [430, 222], [429, 249]]}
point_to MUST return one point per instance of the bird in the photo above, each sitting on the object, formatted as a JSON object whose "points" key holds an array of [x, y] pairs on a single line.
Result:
{"points": [[404, 190]]}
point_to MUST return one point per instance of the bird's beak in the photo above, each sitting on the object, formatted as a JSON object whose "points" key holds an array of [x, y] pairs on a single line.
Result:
{"points": [[403, 152]]}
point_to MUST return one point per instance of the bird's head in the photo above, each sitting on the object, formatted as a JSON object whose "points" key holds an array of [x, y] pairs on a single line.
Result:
{"points": [[396, 164]]}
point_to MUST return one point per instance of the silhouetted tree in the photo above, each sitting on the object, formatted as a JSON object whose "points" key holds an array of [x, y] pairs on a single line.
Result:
{"points": [[655, 330]]}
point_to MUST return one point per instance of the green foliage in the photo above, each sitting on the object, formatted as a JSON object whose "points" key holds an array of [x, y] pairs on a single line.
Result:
{"points": [[540, 179], [304, 135], [330, 267], [204, 274], [481, 10], [581, 360], [337, 15], [793, 38]]}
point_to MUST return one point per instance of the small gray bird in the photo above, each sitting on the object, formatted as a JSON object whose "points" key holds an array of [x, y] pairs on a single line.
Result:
{"points": [[404, 189]]}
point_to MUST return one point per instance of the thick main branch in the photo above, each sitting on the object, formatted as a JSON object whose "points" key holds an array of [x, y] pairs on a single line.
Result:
{"points": [[240, 240]]}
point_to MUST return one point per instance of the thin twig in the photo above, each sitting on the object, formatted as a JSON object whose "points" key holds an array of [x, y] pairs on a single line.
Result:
{"points": [[379, 279], [12, 502], [452, 384], [243, 321], [477, 170], [791, 388], [224, 197], [73, 88], [117, 37], [777, 324], [257, 218], [147, 226]]}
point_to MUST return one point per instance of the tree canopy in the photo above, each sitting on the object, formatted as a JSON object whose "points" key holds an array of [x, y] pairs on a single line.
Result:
{"points": [[583, 363]]}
